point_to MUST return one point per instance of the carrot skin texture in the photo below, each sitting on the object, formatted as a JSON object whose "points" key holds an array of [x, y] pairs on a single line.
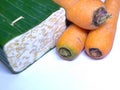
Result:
{"points": [[63, 3], [100, 41], [71, 42], [81, 12]]}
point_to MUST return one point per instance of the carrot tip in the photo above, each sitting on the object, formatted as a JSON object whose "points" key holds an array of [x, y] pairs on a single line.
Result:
{"points": [[64, 52], [100, 16], [95, 53]]}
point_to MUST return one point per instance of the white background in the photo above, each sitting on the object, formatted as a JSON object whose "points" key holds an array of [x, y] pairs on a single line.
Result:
{"points": [[53, 73]]}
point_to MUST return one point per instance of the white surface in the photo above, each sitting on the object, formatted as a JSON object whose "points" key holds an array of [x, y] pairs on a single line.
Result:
{"points": [[53, 73]]}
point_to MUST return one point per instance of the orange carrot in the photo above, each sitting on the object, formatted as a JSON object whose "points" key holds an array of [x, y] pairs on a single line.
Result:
{"points": [[87, 14], [71, 42], [100, 41]]}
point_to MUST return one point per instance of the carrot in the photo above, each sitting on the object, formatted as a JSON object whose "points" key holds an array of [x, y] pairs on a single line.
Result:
{"points": [[87, 14], [100, 41], [71, 42]]}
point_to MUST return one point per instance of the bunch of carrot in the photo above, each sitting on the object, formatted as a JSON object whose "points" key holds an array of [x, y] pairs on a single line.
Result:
{"points": [[93, 28]]}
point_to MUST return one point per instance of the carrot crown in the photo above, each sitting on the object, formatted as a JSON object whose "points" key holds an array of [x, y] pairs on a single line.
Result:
{"points": [[100, 16], [64, 52]]}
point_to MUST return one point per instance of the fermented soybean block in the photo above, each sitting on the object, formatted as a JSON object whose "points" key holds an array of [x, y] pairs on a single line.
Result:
{"points": [[28, 30]]}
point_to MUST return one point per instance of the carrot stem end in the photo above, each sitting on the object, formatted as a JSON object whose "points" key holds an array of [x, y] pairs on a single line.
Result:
{"points": [[100, 16], [64, 52], [95, 52]]}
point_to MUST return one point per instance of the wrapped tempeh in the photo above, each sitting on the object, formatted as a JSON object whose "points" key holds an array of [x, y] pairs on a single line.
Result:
{"points": [[28, 30]]}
